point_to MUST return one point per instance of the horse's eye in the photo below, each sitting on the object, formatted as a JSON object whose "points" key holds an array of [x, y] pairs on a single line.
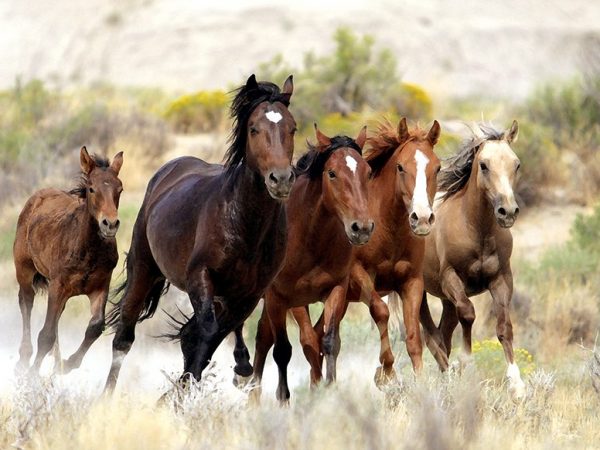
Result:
{"points": [[331, 174], [294, 131], [253, 131], [370, 174], [91, 190], [518, 167], [400, 168], [438, 169], [483, 166]]}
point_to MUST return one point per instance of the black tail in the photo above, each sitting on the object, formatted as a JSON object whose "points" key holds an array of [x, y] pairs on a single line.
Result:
{"points": [[160, 287], [177, 325]]}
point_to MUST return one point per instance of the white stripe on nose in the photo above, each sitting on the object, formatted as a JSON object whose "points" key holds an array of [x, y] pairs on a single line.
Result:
{"points": [[420, 200]]}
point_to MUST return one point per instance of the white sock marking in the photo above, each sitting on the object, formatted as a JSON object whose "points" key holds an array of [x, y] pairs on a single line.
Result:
{"points": [[420, 199], [274, 116], [351, 163]]}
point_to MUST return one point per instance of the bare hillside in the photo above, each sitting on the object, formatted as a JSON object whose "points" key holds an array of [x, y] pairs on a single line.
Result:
{"points": [[499, 48]]}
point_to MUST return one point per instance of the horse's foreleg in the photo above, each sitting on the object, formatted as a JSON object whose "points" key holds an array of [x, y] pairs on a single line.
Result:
{"points": [[241, 354], [501, 290], [411, 292], [433, 337], [454, 289], [282, 352], [93, 331], [381, 315], [309, 339], [57, 300], [201, 292], [335, 308], [448, 323]]}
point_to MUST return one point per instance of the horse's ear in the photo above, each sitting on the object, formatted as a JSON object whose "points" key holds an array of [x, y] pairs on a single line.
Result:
{"points": [[117, 162], [322, 140], [251, 82], [513, 133], [403, 134], [434, 133], [362, 137], [288, 86], [86, 161]]}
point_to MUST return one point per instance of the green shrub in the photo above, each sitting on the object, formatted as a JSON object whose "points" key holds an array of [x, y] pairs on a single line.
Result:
{"points": [[200, 112], [489, 359], [410, 100]]}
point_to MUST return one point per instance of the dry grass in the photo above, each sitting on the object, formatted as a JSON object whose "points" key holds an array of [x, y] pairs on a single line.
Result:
{"points": [[434, 412]]}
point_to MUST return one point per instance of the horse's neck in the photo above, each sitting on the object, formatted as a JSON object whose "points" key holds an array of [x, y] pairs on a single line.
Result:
{"points": [[253, 208], [477, 209], [391, 210], [324, 230]]}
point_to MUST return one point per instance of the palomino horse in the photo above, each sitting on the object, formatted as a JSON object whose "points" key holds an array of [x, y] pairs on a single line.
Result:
{"points": [[470, 247], [216, 232], [66, 242], [327, 214], [401, 192]]}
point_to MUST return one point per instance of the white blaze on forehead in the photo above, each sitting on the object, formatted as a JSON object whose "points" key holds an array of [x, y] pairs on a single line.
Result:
{"points": [[420, 199], [351, 163], [274, 116]]}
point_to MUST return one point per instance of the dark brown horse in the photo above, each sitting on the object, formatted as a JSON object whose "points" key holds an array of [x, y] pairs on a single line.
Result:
{"points": [[65, 241], [216, 232], [327, 215], [469, 251], [401, 193]]}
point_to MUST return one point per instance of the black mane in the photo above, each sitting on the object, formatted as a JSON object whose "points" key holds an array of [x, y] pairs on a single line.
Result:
{"points": [[80, 190], [313, 161], [245, 101], [455, 175]]}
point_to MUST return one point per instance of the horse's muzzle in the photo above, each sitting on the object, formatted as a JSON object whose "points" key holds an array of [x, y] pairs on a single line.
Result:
{"points": [[279, 183], [359, 232]]}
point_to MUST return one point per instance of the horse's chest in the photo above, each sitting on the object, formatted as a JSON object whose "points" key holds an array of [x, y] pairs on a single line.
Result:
{"points": [[481, 269]]}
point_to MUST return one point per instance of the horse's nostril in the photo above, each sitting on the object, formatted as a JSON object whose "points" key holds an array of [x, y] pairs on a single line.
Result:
{"points": [[355, 227], [516, 210], [431, 219], [414, 217], [273, 178], [292, 177], [501, 211], [105, 222], [117, 223], [372, 225]]}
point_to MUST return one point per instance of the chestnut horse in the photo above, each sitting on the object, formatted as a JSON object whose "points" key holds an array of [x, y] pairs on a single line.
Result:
{"points": [[469, 250], [65, 241], [401, 193], [216, 232], [327, 215]]}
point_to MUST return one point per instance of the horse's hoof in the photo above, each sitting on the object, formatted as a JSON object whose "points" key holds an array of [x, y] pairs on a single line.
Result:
{"points": [[242, 382], [254, 396], [244, 370], [517, 390], [21, 369], [384, 377]]}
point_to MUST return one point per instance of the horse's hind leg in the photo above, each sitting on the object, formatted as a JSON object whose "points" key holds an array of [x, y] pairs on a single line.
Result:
{"points": [[57, 300], [143, 282], [433, 337], [26, 296], [93, 331]]}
